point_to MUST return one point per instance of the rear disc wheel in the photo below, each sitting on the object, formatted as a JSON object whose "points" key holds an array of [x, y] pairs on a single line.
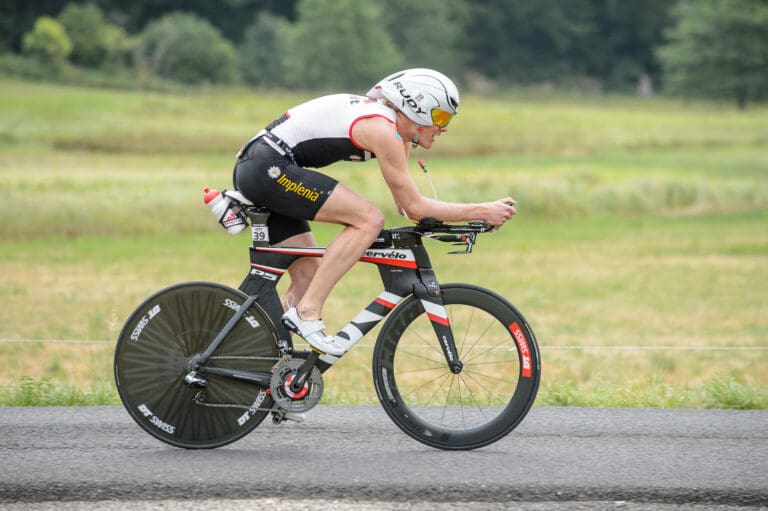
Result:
{"points": [[156, 350]]}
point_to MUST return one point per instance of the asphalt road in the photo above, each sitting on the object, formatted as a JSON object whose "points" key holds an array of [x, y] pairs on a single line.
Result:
{"points": [[355, 454]]}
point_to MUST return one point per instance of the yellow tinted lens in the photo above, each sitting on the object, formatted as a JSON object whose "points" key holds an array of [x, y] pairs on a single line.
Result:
{"points": [[441, 118]]}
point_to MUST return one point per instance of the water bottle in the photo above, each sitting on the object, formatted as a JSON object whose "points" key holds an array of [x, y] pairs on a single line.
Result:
{"points": [[221, 206]]}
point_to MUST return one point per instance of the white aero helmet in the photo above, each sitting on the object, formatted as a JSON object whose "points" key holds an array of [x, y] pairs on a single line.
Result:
{"points": [[425, 96]]}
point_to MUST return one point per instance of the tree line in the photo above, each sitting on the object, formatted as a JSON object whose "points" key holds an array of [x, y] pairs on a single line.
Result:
{"points": [[716, 48]]}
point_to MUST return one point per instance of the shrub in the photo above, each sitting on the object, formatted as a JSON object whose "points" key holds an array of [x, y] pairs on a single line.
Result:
{"points": [[95, 41], [48, 41], [184, 47], [262, 50], [29, 67], [718, 49], [358, 54]]}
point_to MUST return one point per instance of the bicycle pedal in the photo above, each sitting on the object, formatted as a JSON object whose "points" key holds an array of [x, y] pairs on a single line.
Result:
{"points": [[284, 347], [280, 416]]}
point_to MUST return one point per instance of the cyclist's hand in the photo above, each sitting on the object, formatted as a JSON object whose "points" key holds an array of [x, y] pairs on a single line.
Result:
{"points": [[499, 211]]}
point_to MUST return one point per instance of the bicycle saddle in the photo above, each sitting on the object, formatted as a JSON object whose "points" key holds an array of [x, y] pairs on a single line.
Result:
{"points": [[239, 197]]}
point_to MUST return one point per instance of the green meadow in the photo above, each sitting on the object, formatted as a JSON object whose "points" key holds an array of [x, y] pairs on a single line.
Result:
{"points": [[639, 254]]}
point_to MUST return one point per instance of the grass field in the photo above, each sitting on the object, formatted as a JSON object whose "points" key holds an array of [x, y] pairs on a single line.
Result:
{"points": [[639, 254]]}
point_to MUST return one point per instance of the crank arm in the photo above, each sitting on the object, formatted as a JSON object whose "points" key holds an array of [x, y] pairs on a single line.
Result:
{"points": [[304, 371]]}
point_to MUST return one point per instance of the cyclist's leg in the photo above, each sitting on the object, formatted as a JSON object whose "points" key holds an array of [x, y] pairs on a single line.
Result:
{"points": [[272, 180], [301, 271], [294, 192], [363, 222]]}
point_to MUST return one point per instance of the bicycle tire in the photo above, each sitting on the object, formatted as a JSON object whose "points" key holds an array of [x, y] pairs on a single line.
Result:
{"points": [[476, 407], [153, 355]]}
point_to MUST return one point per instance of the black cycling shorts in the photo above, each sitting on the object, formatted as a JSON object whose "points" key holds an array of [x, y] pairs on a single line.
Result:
{"points": [[292, 193]]}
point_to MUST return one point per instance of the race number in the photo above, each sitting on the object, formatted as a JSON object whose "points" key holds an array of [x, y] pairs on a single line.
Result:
{"points": [[260, 232]]}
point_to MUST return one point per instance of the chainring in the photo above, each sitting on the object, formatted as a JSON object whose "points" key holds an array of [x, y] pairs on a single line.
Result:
{"points": [[280, 387]]}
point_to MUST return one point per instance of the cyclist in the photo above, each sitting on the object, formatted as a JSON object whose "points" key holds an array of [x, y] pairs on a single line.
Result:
{"points": [[407, 109]]}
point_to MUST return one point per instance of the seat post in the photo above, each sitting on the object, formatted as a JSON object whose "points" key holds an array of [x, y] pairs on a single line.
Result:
{"points": [[259, 230]]}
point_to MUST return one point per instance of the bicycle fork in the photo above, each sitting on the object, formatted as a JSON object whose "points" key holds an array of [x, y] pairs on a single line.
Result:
{"points": [[427, 291]]}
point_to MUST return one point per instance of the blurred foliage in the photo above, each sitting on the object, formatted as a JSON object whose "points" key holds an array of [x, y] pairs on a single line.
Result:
{"points": [[48, 41], [263, 40], [719, 48], [96, 42], [359, 52], [186, 48], [708, 48], [319, 44]]}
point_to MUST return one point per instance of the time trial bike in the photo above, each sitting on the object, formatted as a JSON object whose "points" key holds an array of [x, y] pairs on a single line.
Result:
{"points": [[455, 366]]}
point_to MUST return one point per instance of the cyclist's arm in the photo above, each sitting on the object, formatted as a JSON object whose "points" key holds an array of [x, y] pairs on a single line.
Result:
{"points": [[379, 136]]}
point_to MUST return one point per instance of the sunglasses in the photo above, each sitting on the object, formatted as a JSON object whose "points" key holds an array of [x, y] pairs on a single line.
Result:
{"points": [[441, 118]]}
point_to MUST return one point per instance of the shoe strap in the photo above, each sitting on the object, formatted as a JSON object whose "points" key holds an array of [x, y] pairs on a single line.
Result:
{"points": [[309, 326]]}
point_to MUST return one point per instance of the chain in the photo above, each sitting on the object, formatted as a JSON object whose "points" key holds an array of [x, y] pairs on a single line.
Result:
{"points": [[242, 357], [221, 405], [200, 400], [233, 405]]}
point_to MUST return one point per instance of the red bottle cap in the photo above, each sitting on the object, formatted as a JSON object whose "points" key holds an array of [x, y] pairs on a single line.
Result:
{"points": [[210, 195]]}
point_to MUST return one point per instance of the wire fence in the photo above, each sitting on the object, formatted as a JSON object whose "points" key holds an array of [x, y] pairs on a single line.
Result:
{"points": [[547, 347]]}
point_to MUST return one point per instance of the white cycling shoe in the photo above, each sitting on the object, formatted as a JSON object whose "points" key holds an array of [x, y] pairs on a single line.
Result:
{"points": [[312, 332]]}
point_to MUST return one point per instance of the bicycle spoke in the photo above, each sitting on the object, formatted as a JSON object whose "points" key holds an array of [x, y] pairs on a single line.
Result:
{"points": [[447, 397], [438, 363], [480, 337], [484, 387], [426, 341], [475, 375], [474, 399], [466, 331], [413, 391], [467, 326], [437, 367], [488, 363], [502, 343]]}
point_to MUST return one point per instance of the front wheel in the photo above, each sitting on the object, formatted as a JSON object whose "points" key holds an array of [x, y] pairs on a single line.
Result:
{"points": [[156, 350], [484, 401]]}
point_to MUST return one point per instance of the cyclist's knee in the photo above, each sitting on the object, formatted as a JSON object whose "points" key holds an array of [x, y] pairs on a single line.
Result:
{"points": [[377, 221], [372, 220], [344, 206]]}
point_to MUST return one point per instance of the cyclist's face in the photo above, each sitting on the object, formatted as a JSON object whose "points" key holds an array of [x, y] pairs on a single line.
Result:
{"points": [[427, 134]]}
